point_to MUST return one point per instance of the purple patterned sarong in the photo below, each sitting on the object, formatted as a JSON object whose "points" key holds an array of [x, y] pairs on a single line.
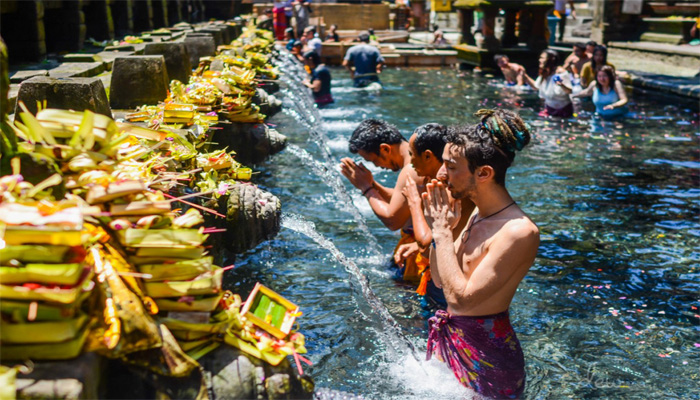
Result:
{"points": [[483, 352]]}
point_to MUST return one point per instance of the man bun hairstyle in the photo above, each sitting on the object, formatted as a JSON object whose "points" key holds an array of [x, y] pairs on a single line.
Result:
{"points": [[493, 141], [371, 133], [431, 137]]}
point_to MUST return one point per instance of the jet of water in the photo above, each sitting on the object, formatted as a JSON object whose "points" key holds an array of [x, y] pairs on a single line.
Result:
{"points": [[331, 177], [304, 111], [392, 329]]}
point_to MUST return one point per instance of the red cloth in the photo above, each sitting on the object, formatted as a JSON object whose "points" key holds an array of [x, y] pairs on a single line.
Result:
{"points": [[279, 21]]}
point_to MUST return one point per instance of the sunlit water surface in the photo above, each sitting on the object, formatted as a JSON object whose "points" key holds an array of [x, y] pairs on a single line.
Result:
{"points": [[610, 308]]}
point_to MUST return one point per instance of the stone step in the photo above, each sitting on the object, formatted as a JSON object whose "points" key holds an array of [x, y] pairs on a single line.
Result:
{"points": [[661, 38], [77, 70]]}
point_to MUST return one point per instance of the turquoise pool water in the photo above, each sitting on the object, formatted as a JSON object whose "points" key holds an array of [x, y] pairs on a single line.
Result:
{"points": [[610, 308]]}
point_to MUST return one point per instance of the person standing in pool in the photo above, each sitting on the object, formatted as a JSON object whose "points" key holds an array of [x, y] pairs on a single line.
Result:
{"points": [[426, 146], [608, 94], [381, 143], [366, 59], [480, 270], [554, 87], [320, 81], [589, 71], [511, 71]]}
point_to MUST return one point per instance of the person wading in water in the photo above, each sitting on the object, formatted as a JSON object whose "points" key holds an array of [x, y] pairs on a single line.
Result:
{"points": [[481, 269], [381, 143], [426, 146]]}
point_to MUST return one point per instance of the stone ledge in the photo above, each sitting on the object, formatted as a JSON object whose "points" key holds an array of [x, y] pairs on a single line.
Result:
{"points": [[686, 87], [77, 70], [651, 47], [20, 76]]}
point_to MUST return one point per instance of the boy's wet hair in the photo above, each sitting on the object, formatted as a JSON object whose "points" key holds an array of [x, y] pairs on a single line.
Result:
{"points": [[371, 133], [493, 141], [580, 46], [497, 58], [431, 137], [591, 43], [313, 56]]}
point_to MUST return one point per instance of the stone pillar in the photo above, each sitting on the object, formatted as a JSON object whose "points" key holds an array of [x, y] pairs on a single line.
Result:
{"points": [[466, 22], [177, 59], [610, 24], [123, 17], [4, 82], [524, 25], [65, 26], [138, 80], [160, 14], [98, 19], [420, 17], [509, 39], [538, 34], [490, 42], [143, 15], [200, 46], [65, 93], [22, 28]]}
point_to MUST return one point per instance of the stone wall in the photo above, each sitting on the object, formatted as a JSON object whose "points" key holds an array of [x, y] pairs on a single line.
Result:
{"points": [[346, 16]]}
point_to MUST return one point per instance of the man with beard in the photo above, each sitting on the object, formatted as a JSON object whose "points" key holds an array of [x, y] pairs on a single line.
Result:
{"points": [[480, 270]]}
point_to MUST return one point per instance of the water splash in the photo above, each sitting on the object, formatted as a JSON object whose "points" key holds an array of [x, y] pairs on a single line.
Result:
{"points": [[303, 110], [392, 330], [330, 176]]}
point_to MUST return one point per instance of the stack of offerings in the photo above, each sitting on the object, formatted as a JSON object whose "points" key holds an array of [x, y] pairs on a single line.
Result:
{"points": [[229, 92], [44, 281], [176, 115], [256, 45]]}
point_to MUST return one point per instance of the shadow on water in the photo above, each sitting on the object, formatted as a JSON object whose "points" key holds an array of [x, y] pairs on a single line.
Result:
{"points": [[609, 310]]}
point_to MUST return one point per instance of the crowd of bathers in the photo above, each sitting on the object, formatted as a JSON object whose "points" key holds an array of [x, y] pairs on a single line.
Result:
{"points": [[585, 73]]}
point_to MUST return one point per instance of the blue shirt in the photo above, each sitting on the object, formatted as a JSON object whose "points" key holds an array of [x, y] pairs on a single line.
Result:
{"points": [[365, 58], [321, 73], [600, 100]]}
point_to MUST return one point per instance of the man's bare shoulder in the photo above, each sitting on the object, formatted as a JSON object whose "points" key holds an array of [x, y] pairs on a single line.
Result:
{"points": [[407, 171], [520, 229]]}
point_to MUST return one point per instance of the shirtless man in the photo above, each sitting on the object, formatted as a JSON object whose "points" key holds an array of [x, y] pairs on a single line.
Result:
{"points": [[480, 269], [382, 144], [511, 71], [574, 62], [426, 146]]}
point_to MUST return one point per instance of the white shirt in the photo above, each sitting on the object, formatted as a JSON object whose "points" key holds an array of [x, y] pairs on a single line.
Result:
{"points": [[554, 96], [316, 45]]}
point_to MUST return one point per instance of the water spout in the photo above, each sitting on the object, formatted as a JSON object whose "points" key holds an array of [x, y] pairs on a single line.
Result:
{"points": [[392, 329]]}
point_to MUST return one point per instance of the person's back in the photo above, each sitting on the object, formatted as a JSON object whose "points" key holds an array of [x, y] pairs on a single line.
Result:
{"points": [[322, 74], [365, 58]]}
